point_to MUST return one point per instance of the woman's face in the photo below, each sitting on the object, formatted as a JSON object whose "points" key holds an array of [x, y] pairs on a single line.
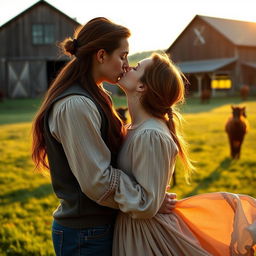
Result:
{"points": [[130, 81], [116, 63]]}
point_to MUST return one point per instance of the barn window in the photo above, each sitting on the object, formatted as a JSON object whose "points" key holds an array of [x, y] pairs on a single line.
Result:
{"points": [[221, 82], [43, 34]]}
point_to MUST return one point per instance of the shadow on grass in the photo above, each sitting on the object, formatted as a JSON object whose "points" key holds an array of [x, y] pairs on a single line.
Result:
{"points": [[23, 195], [213, 177]]}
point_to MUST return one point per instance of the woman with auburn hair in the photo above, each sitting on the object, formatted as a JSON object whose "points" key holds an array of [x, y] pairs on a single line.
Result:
{"points": [[219, 224], [77, 135]]}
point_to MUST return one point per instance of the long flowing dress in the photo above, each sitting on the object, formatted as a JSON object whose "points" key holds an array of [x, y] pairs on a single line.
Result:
{"points": [[219, 224]]}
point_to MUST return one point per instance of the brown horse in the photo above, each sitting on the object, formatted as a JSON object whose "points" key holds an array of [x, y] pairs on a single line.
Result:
{"points": [[236, 128]]}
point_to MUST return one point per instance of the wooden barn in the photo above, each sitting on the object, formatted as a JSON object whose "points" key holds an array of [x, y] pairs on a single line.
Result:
{"points": [[216, 54], [29, 57]]}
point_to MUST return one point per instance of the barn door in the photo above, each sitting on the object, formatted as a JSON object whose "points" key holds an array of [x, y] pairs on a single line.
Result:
{"points": [[18, 77], [26, 79], [3, 85], [38, 78]]}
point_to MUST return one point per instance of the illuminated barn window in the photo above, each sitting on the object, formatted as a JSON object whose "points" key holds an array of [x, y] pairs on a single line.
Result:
{"points": [[43, 34], [221, 82]]}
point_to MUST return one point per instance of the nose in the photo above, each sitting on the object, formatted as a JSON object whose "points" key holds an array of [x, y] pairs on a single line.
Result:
{"points": [[127, 69], [126, 65]]}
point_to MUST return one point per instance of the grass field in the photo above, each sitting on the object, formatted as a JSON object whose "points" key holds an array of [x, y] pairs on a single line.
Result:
{"points": [[26, 197]]}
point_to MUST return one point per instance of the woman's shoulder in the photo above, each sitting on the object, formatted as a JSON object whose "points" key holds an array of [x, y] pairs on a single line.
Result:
{"points": [[152, 129], [74, 103], [77, 108], [154, 126], [75, 100], [154, 134]]}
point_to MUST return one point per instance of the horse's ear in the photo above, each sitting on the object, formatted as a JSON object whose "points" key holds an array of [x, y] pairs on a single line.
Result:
{"points": [[244, 112]]}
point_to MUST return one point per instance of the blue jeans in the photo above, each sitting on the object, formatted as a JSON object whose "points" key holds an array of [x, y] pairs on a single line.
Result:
{"points": [[93, 241]]}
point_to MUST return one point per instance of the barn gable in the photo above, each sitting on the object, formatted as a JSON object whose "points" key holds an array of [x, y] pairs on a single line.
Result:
{"points": [[216, 53], [200, 41], [240, 33], [39, 3], [35, 31]]}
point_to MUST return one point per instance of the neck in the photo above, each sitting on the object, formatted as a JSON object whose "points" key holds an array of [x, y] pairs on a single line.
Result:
{"points": [[137, 113], [95, 73], [97, 79]]}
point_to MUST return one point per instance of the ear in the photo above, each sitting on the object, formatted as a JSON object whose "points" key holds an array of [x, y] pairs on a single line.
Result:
{"points": [[100, 55], [141, 87]]}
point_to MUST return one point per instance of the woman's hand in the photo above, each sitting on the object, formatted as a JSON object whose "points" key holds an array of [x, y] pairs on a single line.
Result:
{"points": [[169, 203]]}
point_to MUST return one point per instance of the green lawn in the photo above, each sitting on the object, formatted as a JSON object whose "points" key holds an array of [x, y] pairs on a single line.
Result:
{"points": [[26, 198], [23, 110]]}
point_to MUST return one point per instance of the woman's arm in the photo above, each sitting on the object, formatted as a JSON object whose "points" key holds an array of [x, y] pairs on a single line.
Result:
{"points": [[75, 122]]}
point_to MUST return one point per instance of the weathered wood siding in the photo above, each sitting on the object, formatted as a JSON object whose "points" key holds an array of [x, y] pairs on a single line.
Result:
{"points": [[247, 53], [189, 47], [3, 85], [16, 37]]}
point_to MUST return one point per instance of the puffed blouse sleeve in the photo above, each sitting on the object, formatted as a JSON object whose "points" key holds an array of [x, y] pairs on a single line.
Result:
{"points": [[153, 159]]}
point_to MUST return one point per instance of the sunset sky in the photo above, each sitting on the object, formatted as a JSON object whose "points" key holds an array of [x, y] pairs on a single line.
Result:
{"points": [[155, 24]]}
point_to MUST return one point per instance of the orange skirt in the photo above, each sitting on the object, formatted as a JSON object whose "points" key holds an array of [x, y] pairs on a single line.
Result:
{"points": [[219, 224]]}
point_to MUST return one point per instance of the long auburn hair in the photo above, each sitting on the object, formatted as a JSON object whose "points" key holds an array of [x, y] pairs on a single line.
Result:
{"points": [[98, 33], [165, 89]]}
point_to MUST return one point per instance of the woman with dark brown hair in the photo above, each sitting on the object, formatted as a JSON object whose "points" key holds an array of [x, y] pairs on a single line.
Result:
{"points": [[77, 135], [219, 224]]}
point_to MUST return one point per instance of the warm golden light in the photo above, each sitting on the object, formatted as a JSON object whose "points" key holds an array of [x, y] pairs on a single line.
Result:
{"points": [[221, 82]]}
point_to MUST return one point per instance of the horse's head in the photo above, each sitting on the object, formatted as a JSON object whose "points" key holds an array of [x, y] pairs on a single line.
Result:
{"points": [[238, 111]]}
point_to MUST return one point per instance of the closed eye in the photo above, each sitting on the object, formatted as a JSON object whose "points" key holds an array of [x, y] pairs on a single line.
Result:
{"points": [[124, 56], [135, 68]]}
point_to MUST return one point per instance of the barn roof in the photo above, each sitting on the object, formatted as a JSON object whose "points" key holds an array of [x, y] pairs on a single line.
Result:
{"points": [[40, 2], [201, 66], [238, 32], [241, 33], [249, 64]]}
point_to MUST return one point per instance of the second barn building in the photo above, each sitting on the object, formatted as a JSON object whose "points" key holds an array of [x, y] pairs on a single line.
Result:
{"points": [[216, 54]]}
